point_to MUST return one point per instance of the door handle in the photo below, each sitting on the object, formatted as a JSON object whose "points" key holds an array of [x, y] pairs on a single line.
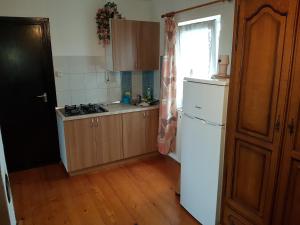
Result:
{"points": [[92, 123], [44, 97], [291, 127], [277, 124], [188, 116], [209, 123]]}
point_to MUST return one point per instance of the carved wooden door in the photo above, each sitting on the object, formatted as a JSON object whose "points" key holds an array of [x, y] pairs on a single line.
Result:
{"points": [[287, 208], [258, 92]]}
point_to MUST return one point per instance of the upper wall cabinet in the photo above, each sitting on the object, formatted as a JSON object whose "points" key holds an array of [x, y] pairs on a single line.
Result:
{"points": [[134, 46]]}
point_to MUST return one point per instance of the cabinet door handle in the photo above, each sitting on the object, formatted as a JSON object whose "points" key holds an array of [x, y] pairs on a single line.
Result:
{"points": [[277, 124], [92, 123], [97, 122], [291, 127], [144, 114]]}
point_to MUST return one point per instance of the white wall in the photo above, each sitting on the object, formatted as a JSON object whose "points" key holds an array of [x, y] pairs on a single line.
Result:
{"points": [[72, 22], [73, 33], [78, 56], [226, 10]]}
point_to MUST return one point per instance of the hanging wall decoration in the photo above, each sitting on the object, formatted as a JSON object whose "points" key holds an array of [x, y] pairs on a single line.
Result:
{"points": [[109, 11]]}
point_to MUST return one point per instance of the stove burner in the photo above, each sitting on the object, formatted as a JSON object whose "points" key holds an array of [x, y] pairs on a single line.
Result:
{"points": [[82, 109]]}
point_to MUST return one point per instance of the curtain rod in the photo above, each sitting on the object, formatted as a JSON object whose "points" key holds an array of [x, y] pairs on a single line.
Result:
{"points": [[171, 14]]}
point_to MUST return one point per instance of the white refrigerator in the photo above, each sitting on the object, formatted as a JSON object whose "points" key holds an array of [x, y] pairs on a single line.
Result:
{"points": [[202, 146], [7, 213]]}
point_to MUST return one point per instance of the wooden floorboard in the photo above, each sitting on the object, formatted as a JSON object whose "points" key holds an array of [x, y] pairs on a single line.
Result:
{"points": [[138, 193]]}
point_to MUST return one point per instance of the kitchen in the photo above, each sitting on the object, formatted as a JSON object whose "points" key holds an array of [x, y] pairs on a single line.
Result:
{"points": [[124, 112]]}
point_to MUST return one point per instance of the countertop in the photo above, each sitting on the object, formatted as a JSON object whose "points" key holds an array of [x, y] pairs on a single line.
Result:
{"points": [[113, 109]]}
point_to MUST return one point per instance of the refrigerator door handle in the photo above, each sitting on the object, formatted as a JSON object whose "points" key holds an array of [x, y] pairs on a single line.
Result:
{"points": [[209, 123], [189, 116]]}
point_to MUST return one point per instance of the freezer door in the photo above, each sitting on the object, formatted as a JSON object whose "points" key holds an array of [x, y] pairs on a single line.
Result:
{"points": [[201, 162], [205, 101]]}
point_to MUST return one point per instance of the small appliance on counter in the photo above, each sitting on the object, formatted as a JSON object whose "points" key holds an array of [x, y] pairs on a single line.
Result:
{"points": [[83, 109], [223, 63]]}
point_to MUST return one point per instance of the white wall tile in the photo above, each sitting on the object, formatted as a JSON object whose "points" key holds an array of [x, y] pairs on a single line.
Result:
{"points": [[77, 81], [82, 80], [114, 94], [78, 97], [63, 98], [114, 80], [91, 81], [62, 82], [101, 81], [96, 96]]}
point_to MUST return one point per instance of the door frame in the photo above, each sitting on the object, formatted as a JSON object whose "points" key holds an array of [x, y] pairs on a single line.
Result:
{"points": [[48, 73], [49, 70]]}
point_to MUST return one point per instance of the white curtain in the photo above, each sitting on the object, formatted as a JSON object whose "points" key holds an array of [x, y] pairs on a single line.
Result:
{"points": [[196, 52]]}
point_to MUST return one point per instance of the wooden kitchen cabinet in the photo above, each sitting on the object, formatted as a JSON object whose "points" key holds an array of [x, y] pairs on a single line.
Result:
{"points": [[152, 122], [134, 46], [86, 143], [109, 139], [140, 131], [134, 134], [148, 46], [80, 143]]}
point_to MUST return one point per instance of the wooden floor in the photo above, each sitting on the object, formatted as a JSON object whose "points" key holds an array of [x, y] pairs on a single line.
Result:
{"points": [[138, 193]]}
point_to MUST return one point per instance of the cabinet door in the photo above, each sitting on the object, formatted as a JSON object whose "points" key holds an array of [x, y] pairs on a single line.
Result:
{"points": [[124, 44], [264, 32], [152, 130], [232, 218], [288, 195], [148, 46], [109, 139], [134, 134], [80, 143]]}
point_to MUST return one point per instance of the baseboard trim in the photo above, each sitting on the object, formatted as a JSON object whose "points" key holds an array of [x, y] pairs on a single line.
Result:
{"points": [[115, 164]]}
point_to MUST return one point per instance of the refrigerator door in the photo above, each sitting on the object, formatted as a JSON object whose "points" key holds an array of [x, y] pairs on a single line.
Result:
{"points": [[205, 101], [201, 169], [7, 213]]}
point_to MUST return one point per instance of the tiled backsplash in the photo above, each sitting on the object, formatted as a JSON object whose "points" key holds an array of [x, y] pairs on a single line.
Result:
{"points": [[137, 83], [81, 79]]}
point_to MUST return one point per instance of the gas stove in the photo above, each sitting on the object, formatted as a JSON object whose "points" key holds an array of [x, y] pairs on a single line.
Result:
{"points": [[83, 109]]}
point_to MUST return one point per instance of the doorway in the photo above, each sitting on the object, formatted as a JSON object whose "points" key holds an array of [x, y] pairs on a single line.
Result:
{"points": [[27, 93]]}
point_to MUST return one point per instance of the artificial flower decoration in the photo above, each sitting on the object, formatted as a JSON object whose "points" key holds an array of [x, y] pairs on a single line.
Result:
{"points": [[109, 11]]}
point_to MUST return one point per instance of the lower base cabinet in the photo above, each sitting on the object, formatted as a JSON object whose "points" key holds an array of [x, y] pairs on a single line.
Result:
{"points": [[95, 141], [80, 144], [140, 131], [109, 139]]}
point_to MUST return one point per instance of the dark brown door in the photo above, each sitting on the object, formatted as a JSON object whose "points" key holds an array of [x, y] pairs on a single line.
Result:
{"points": [[27, 93], [287, 208], [262, 51]]}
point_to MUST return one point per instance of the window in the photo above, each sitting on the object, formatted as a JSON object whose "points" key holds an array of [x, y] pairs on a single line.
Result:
{"points": [[197, 50]]}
